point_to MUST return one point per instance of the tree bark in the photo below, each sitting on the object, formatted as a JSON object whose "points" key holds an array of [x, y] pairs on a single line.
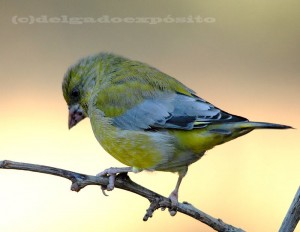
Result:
{"points": [[123, 181], [292, 216]]}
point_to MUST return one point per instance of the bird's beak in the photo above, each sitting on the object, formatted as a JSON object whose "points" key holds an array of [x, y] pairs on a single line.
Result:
{"points": [[76, 114]]}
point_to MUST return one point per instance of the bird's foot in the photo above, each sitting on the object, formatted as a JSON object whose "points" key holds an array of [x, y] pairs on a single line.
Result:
{"points": [[174, 202], [112, 173]]}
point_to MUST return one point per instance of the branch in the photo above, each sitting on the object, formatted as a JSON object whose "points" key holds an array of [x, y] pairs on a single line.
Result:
{"points": [[292, 216], [123, 181]]}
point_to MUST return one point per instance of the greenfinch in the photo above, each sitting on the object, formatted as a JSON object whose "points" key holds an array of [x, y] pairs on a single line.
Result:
{"points": [[145, 118]]}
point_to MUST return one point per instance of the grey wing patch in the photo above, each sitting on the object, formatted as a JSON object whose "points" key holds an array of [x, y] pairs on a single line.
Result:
{"points": [[189, 110], [150, 112], [194, 112], [173, 111]]}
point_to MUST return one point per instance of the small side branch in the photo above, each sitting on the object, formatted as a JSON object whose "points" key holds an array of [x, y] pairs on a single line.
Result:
{"points": [[293, 215], [123, 181]]}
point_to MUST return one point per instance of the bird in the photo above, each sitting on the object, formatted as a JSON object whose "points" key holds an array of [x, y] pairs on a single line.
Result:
{"points": [[145, 118]]}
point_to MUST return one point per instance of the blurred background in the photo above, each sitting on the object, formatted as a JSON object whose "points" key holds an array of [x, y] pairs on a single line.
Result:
{"points": [[242, 56]]}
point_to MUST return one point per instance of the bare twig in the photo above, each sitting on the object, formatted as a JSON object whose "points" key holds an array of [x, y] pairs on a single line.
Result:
{"points": [[123, 181], [292, 216]]}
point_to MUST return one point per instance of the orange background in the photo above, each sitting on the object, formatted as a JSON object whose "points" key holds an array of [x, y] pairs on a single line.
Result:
{"points": [[246, 63]]}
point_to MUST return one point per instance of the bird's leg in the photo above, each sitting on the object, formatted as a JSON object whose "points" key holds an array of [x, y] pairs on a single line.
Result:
{"points": [[111, 173], [174, 194]]}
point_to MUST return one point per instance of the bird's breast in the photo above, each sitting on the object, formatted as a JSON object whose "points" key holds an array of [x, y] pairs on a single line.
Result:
{"points": [[140, 149]]}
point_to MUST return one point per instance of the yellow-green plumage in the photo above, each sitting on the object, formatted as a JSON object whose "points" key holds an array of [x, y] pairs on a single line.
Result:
{"points": [[118, 143], [145, 118]]}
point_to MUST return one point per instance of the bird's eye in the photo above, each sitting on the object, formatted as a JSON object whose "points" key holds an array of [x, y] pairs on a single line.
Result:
{"points": [[75, 93]]}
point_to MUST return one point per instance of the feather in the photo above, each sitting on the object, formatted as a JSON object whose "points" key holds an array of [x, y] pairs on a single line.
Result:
{"points": [[172, 111]]}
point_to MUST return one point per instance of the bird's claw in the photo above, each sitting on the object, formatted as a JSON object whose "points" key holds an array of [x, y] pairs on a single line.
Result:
{"points": [[103, 188], [174, 203], [111, 173]]}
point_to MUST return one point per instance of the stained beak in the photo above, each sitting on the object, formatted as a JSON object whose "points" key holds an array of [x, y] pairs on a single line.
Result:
{"points": [[76, 114]]}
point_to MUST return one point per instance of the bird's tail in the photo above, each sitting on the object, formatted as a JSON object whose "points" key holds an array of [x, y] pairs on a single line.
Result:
{"points": [[206, 138], [263, 125], [236, 129]]}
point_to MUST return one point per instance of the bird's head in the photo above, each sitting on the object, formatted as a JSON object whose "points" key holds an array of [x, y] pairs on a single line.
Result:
{"points": [[77, 86]]}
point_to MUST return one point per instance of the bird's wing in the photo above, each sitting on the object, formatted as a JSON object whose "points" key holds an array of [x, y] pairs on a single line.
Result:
{"points": [[146, 99], [173, 111]]}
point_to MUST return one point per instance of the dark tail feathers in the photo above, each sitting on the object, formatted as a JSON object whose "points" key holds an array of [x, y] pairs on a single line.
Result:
{"points": [[265, 125]]}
